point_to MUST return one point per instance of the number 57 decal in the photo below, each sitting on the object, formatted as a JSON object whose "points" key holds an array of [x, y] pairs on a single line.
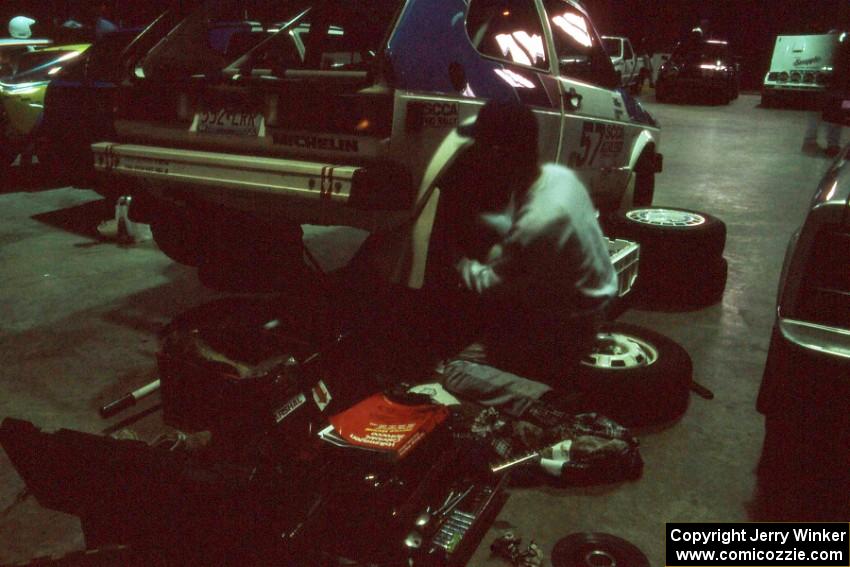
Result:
{"points": [[592, 137]]}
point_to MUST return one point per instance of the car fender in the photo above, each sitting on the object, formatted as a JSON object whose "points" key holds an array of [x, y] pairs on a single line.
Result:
{"points": [[644, 141], [400, 256]]}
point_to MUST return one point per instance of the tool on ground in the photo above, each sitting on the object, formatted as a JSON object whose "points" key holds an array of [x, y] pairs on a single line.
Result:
{"points": [[129, 400]]}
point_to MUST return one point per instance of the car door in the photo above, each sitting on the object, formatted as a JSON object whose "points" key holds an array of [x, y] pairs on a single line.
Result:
{"points": [[597, 133]]}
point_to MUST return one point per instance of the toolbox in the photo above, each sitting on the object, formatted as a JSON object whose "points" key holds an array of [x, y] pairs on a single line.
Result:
{"points": [[625, 255]]}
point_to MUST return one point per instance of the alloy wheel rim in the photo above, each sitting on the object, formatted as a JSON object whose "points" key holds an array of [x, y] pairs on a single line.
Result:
{"points": [[666, 217]]}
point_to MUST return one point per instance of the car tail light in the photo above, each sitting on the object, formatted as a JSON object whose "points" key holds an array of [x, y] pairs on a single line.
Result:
{"points": [[772, 76], [822, 78], [783, 77], [795, 76], [809, 77], [825, 292]]}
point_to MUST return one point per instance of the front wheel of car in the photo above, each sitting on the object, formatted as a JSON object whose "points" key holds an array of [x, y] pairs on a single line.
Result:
{"points": [[635, 376]]}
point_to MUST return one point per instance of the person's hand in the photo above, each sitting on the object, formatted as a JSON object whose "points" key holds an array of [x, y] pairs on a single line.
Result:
{"points": [[476, 276]]}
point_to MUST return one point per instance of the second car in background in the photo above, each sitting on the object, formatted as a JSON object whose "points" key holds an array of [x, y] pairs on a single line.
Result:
{"points": [[699, 66]]}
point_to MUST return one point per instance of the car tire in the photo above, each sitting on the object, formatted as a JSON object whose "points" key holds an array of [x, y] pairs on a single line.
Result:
{"points": [[179, 237], [635, 376], [668, 233], [722, 96], [644, 190], [686, 286]]}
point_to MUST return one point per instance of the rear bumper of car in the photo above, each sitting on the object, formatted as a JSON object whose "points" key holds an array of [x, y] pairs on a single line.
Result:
{"points": [[369, 197], [795, 88]]}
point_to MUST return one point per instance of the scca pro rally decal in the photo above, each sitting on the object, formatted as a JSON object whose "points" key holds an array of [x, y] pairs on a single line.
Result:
{"points": [[598, 141], [439, 114]]}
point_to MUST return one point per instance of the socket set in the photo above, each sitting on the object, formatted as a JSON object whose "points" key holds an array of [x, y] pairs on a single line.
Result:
{"points": [[461, 527]]}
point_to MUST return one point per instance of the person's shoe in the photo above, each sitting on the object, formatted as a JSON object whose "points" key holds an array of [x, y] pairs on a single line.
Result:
{"points": [[833, 151]]}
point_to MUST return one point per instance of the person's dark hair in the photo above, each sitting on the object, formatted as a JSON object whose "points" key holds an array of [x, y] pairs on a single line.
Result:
{"points": [[508, 126]]}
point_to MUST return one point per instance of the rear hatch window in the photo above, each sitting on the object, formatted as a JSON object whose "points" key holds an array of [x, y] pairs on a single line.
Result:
{"points": [[272, 38]]}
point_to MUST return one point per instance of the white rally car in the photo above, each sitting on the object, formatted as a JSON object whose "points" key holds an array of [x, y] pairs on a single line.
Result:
{"points": [[344, 113]]}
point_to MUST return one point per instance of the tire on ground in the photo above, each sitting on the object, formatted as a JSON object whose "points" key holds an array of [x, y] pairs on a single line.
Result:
{"points": [[667, 233], [687, 285], [635, 376]]}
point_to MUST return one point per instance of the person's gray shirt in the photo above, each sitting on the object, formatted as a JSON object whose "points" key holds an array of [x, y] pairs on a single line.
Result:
{"points": [[552, 254]]}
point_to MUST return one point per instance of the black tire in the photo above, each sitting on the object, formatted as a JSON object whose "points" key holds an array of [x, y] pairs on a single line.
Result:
{"points": [[179, 237], [246, 254], [691, 285], [645, 382], [644, 190], [670, 234]]}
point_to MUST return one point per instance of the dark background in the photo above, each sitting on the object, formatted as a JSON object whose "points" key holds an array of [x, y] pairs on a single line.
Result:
{"points": [[750, 26]]}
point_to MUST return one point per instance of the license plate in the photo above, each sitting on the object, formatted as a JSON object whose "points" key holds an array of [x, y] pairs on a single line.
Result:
{"points": [[229, 122]]}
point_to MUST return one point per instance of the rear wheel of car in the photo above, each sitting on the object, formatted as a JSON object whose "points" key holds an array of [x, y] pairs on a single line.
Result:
{"points": [[179, 236], [246, 254], [635, 376]]}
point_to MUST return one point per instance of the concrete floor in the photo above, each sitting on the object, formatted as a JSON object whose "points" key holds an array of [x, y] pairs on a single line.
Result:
{"points": [[79, 316]]}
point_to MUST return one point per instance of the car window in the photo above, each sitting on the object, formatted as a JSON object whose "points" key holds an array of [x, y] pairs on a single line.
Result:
{"points": [[627, 50], [825, 293], [701, 50], [39, 66], [333, 36], [612, 46], [508, 30], [214, 35], [580, 52]]}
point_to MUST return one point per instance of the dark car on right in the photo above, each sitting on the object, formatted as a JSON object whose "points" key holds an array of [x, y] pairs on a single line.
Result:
{"points": [[699, 67]]}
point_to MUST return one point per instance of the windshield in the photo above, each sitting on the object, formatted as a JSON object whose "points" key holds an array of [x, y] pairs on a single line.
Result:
{"points": [[612, 46], [330, 35]]}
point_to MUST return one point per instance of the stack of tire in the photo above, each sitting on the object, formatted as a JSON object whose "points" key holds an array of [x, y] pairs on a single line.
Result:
{"points": [[681, 256]]}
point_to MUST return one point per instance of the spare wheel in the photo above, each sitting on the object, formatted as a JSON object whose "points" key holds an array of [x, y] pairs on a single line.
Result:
{"points": [[668, 231], [635, 376]]}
